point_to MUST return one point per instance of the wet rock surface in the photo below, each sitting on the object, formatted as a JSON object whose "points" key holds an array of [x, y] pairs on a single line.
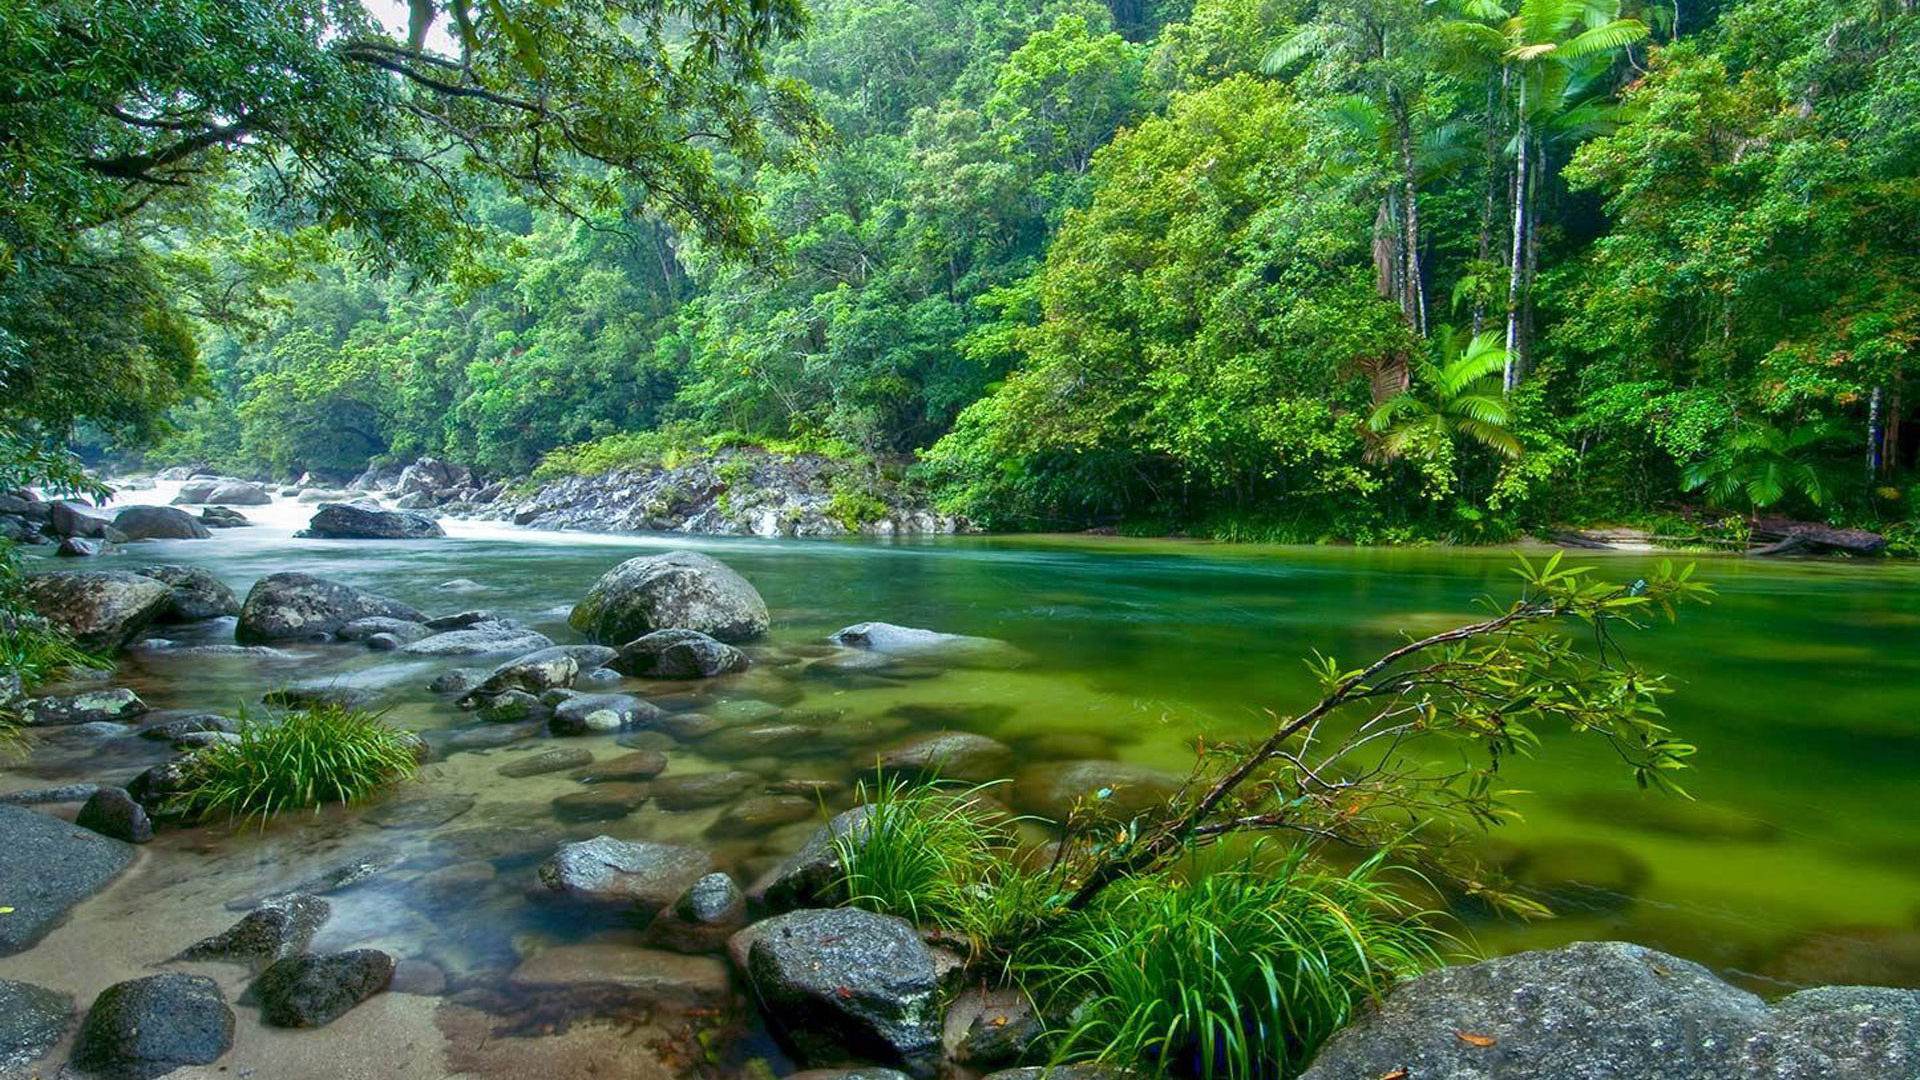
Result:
{"points": [[678, 590], [49, 866], [606, 870], [701, 921], [842, 983], [90, 707], [278, 928], [292, 606], [111, 812], [362, 521], [159, 523], [678, 654], [807, 878], [103, 610], [479, 639], [314, 991], [32, 1020], [146, 1028], [1613, 1011], [197, 594], [591, 713]]}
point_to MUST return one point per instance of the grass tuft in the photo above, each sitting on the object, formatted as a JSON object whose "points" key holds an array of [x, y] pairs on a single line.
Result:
{"points": [[297, 761]]}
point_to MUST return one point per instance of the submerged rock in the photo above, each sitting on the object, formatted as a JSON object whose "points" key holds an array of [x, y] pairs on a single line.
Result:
{"points": [[810, 876], [32, 1020], [479, 639], [678, 654], [691, 791], [359, 521], [1114, 790], [682, 590], [279, 927], [842, 983], [159, 523], [102, 610], [547, 761], [79, 547], [314, 991], [1613, 1010], [705, 916], [146, 1028], [402, 631], [605, 870], [50, 866], [283, 607], [909, 642], [197, 594], [590, 713], [948, 755]]}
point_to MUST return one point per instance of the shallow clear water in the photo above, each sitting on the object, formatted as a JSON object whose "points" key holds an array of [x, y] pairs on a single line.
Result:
{"points": [[1801, 685]]}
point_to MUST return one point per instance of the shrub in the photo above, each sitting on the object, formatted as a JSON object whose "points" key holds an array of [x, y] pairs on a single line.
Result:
{"points": [[299, 760], [1238, 974]]}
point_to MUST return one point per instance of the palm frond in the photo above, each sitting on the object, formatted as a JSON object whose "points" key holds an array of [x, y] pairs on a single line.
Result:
{"points": [[1611, 37], [1306, 41]]}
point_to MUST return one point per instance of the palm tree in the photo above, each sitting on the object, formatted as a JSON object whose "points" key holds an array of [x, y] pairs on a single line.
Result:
{"points": [[1455, 396], [1544, 55], [1763, 464]]}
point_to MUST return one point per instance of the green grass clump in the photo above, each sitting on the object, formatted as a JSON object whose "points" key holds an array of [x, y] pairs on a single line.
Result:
{"points": [[1238, 974], [39, 656], [297, 761]]}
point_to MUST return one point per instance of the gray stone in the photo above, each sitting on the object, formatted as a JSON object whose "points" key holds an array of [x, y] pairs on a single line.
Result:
{"points": [[676, 590], [908, 642], [757, 815], [598, 977], [542, 669], [93, 706], [197, 594], [66, 518], [605, 870], [112, 812], [358, 521], [506, 707], [309, 695], [279, 927], [625, 769], [77, 547], [173, 728], [679, 654], [283, 607], [457, 680], [102, 610], [32, 1020], [480, 639], [602, 802], [403, 630], [65, 793], [1613, 1011], [701, 921], [691, 791], [221, 517], [591, 713], [811, 876], [949, 755], [546, 761], [460, 620], [145, 1028], [159, 523], [423, 812], [842, 983], [314, 991], [50, 866]]}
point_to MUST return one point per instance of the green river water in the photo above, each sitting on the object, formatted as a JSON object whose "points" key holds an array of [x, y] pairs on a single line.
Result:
{"points": [[1800, 862]]}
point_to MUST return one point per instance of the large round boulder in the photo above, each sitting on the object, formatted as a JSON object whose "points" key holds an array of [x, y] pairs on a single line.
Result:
{"points": [[1609, 1009], [145, 1028], [197, 594], [359, 521], [678, 590], [314, 991], [221, 491], [68, 518], [648, 875], [102, 610], [289, 607], [159, 523], [678, 654], [842, 983]]}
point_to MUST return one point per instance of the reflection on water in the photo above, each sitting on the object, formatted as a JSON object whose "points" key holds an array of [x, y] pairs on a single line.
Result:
{"points": [[1801, 685]]}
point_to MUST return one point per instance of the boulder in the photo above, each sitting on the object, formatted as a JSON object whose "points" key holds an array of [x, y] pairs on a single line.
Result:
{"points": [[701, 921], [692, 791], [591, 713], [90, 707], [1614, 1011], [682, 590], [278, 928], [643, 873], [76, 547], [602, 802], [66, 518], [843, 983], [284, 607], [359, 521], [197, 594], [480, 639], [811, 876], [948, 755], [223, 491], [221, 517], [146, 1028], [546, 761], [625, 769], [174, 725], [757, 815], [102, 610], [991, 1027], [32, 1020], [507, 707], [402, 631], [112, 812], [908, 642], [541, 669], [159, 523], [431, 476], [314, 991], [457, 680], [678, 654]]}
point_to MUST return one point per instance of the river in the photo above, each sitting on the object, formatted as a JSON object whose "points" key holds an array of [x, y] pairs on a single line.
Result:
{"points": [[1799, 862]]}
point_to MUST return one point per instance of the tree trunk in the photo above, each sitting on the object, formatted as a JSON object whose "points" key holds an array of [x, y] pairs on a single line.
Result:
{"points": [[1414, 291], [1516, 262], [1876, 434], [1490, 155]]}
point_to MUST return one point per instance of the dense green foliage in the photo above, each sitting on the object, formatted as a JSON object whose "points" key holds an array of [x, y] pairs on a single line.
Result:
{"points": [[301, 760], [1195, 264]]}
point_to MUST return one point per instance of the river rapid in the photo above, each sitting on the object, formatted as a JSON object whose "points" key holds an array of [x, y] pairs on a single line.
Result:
{"points": [[1798, 863]]}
